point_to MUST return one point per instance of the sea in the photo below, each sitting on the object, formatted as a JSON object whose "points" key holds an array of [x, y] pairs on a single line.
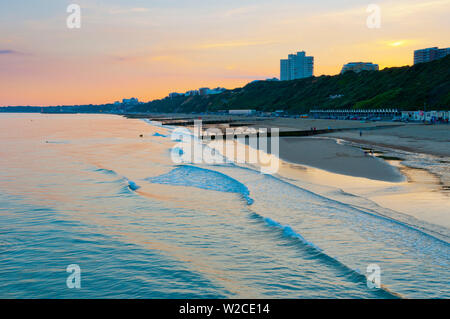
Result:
{"points": [[103, 193]]}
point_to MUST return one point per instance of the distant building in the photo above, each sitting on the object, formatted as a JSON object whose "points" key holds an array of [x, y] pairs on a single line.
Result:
{"points": [[241, 112], [131, 101], [208, 91], [192, 93], [359, 66], [203, 91], [175, 94], [278, 113], [296, 66], [266, 80], [430, 54], [217, 90], [284, 70]]}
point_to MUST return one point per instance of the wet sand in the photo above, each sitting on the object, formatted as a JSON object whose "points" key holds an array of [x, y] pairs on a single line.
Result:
{"points": [[331, 156], [337, 166], [427, 139]]}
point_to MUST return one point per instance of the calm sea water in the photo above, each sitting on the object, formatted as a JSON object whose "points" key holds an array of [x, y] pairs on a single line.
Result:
{"points": [[87, 190]]}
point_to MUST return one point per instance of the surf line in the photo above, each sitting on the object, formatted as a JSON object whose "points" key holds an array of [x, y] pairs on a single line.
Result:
{"points": [[288, 232]]}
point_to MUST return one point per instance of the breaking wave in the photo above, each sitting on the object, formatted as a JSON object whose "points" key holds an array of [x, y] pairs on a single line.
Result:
{"points": [[187, 175]]}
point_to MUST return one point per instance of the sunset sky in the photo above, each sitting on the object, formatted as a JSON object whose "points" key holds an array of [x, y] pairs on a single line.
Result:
{"points": [[146, 49]]}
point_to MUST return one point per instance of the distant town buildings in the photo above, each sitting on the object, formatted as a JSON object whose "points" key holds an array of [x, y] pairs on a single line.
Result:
{"points": [[359, 66], [208, 91], [132, 101], [192, 93], [242, 112], [296, 66], [175, 94], [201, 91], [268, 80], [430, 54]]}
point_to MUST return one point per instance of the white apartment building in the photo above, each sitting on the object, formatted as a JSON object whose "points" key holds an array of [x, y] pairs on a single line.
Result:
{"points": [[430, 54], [296, 66], [359, 66]]}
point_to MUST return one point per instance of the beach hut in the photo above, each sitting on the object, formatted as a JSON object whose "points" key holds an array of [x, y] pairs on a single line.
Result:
{"points": [[407, 116], [419, 116], [442, 115], [431, 116]]}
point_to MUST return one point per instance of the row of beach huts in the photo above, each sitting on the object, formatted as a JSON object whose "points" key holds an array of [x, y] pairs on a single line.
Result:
{"points": [[383, 114], [426, 116]]}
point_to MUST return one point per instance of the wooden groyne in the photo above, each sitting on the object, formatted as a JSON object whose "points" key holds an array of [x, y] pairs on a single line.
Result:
{"points": [[298, 133], [190, 121], [235, 123]]}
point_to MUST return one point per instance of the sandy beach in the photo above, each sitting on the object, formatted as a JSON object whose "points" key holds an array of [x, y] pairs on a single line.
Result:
{"points": [[331, 156], [403, 169], [354, 158], [427, 139]]}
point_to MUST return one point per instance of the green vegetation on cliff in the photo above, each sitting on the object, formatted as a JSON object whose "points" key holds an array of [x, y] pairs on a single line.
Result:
{"points": [[406, 88]]}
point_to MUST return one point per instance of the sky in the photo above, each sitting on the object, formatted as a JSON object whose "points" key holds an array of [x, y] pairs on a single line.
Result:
{"points": [[149, 48]]}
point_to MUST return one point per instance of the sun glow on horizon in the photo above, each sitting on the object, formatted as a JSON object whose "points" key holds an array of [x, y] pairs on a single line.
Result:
{"points": [[146, 51]]}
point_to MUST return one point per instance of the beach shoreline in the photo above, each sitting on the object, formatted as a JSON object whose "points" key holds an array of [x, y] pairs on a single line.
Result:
{"points": [[407, 137], [401, 169]]}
